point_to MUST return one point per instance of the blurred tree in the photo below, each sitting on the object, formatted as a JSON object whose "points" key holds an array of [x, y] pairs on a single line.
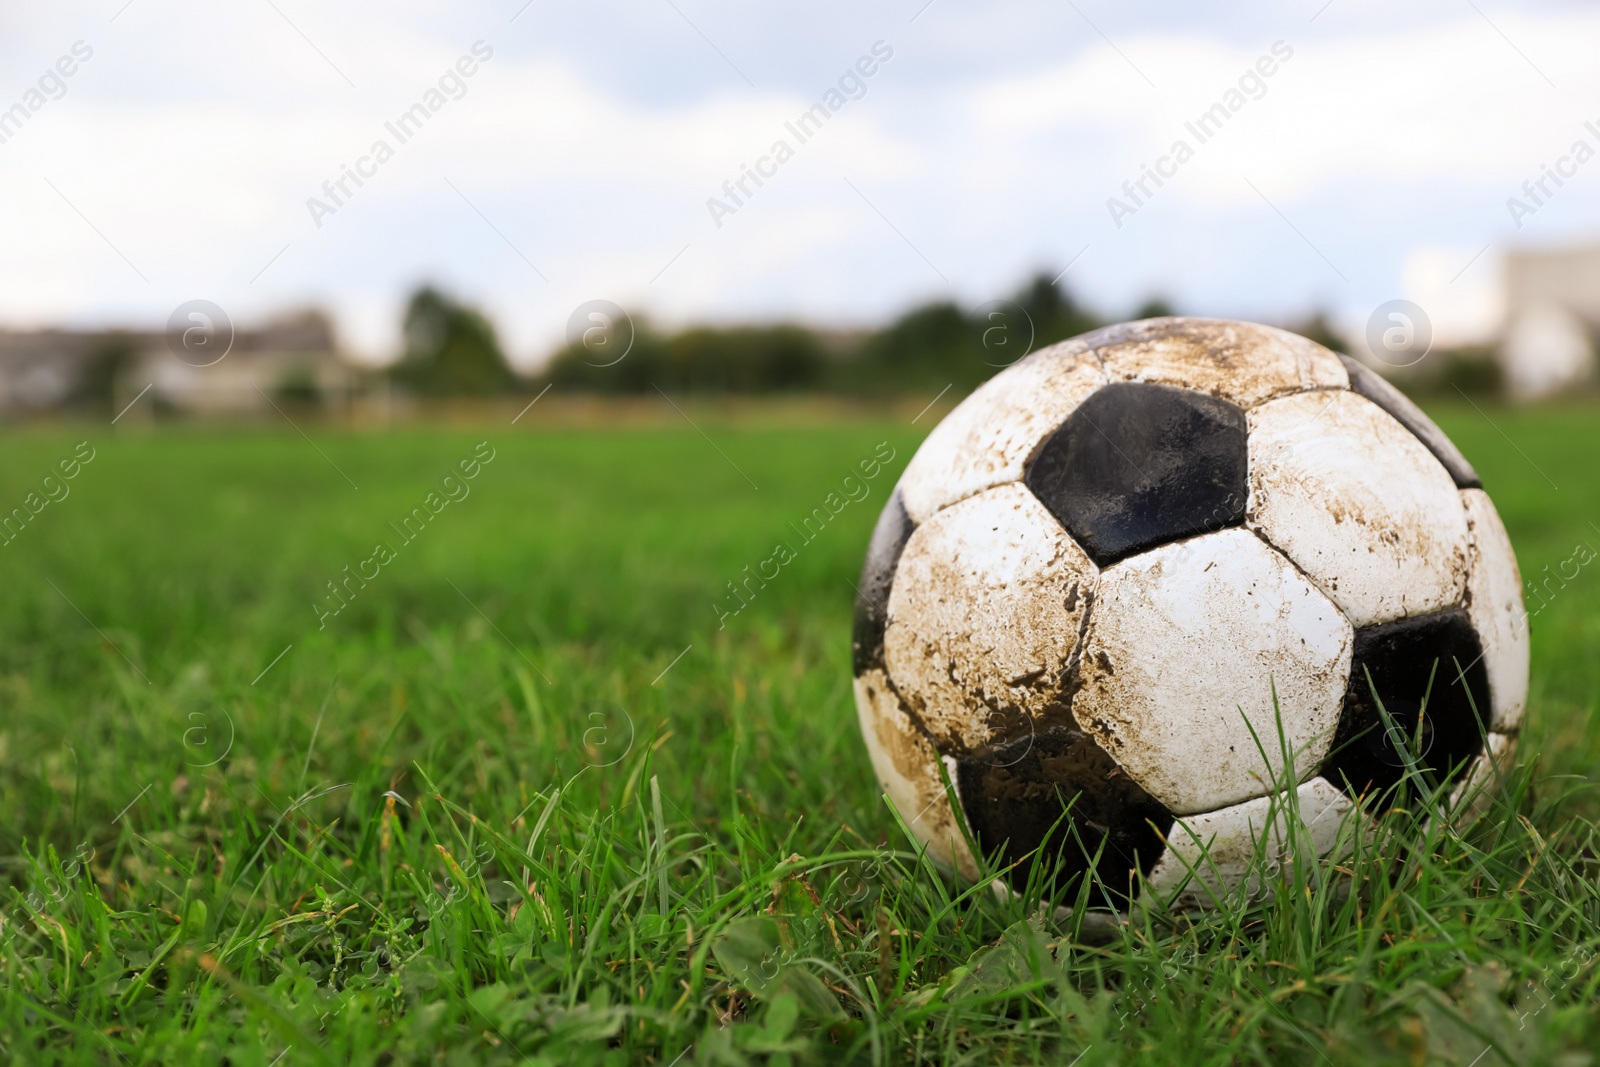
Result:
{"points": [[579, 369], [298, 386], [1317, 328], [942, 344], [1473, 370], [745, 359], [928, 347], [108, 357], [1056, 316], [1449, 372], [705, 359], [450, 349], [932, 346], [1154, 308]]}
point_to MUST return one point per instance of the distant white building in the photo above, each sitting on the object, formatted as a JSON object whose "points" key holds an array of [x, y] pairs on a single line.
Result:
{"points": [[1552, 313], [1537, 309], [43, 369], [288, 359]]}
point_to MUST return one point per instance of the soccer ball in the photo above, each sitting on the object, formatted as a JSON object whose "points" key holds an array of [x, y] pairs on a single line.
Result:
{"points": [[1154, 577]]}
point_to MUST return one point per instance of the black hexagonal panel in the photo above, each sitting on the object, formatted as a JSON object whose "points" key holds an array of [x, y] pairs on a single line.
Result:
{"points": [[1367, 383], [1014, 794], [1139, 465], [889, 539], [1400, 657]]}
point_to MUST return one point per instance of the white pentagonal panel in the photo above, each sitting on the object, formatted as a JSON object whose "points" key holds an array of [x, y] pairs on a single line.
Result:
{"points": [[985, 614], [1210, 857], [908, 769], [1357, 502], [1471, 796], [1494, 604], [1238, 361], [988, 438], [1188, 641]]}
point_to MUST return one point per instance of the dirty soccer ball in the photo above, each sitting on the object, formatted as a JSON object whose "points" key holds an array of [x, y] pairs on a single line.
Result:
{"points": [[1131, 569]]}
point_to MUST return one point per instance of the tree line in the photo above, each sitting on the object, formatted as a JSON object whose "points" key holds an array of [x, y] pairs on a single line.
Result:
{"points": [[451, 349]]}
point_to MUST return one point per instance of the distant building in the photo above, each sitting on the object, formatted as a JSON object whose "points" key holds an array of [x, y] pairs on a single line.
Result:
{"points": [[1536, 311], [1552, 314], [45, 369], [292, 359]]}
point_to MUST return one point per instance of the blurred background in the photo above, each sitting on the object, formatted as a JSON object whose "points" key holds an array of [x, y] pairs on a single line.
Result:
{"points": [[361, 208]]}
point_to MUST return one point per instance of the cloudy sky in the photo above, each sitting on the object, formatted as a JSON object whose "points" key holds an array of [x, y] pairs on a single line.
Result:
{"points": [[576, 161]]}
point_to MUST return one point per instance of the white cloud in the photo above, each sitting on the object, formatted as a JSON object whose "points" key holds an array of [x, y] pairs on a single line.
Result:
{"points": [[194, 137]]}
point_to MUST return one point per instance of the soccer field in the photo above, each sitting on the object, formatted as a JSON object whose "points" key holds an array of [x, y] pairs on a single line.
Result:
{"points": [[535, 743]]}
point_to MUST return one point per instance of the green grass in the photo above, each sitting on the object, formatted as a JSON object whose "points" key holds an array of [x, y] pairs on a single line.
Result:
{"points": [[476, 818]]}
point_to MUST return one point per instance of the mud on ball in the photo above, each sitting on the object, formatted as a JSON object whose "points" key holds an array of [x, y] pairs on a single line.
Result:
{"points": [[1100, 572]]}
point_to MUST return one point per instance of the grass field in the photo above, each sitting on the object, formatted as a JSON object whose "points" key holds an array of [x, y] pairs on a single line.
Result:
{"points": [[522, 801]]}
